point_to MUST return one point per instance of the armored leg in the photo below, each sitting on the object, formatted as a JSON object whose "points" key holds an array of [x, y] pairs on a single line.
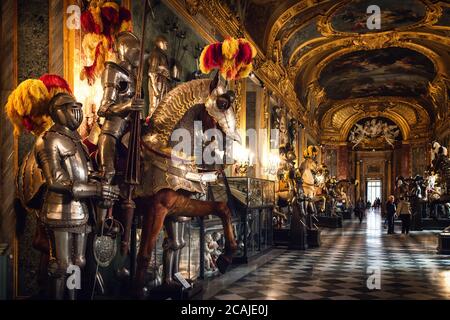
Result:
{"points": [[106, 155], [80, 242], [169, 249], [172, 248], [180, 227], [79, 259], [63, 258]]}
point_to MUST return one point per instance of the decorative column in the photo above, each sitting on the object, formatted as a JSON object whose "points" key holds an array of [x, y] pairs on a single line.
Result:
{"points": [[8, 148], [56, 23], [362, 182], [389, 178], [358, 177]]}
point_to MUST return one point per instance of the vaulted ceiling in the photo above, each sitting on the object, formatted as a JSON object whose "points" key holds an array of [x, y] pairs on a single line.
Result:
{"points": [[341, 70]]}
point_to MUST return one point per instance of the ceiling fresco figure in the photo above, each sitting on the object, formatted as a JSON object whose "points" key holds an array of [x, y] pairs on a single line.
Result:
{"points": [[382, 72], [394, 14], [371, 129]]}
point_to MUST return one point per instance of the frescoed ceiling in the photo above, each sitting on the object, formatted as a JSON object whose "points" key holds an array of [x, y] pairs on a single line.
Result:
{"points": [[382, 72], [394, 15], [332, 57]]}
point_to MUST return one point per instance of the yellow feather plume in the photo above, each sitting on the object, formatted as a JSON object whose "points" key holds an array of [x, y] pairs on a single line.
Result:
{"points": [[230, 48], [245, 71], [29, 100]]}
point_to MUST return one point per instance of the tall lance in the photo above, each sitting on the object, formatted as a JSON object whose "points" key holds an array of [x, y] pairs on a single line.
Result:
{"points": [[133, 165]]}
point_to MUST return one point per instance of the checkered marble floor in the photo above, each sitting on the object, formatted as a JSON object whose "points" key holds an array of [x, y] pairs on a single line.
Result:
{"points": [[409, 268]]}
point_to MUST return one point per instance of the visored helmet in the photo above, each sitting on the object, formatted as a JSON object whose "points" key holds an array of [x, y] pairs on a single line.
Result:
{"points": [[66, 111]]}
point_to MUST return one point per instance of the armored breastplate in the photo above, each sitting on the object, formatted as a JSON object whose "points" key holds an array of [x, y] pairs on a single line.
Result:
{"points": [[61, 209]]}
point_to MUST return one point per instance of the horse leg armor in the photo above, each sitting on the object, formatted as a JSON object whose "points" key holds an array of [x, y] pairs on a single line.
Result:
{"points": [[173, 244]]}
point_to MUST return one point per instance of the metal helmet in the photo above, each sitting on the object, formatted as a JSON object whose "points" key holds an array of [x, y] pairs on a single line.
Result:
{"points": [[66, 111], [128, 48], [161, 43]]}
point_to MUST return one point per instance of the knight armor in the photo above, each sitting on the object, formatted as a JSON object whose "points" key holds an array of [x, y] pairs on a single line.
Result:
{"points": [[119, 86], [159, 72], [67, 170], [118, 90]]}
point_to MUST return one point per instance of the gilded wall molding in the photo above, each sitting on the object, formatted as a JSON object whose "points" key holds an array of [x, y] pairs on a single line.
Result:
{"points": [[438, 91], [285, 17]]}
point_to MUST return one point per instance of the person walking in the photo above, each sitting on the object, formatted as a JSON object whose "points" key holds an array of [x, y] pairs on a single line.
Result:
{"points": [[404, 213], [390, 212], [360, 208]]}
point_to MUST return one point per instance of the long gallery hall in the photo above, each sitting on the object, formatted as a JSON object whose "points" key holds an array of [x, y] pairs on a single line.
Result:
{"points": [[201, 151]]}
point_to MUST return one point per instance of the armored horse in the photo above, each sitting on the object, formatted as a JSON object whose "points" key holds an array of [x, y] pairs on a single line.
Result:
{"points": [[170, 178]]}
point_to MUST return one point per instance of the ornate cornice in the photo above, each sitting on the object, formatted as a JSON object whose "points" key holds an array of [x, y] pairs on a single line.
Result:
{"points": [[284, 18]]}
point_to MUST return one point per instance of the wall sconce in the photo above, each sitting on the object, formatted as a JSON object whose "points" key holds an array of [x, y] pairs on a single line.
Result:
{"points": [[243, 158]]}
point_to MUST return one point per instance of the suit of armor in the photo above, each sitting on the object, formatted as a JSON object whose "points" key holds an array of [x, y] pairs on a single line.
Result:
{"points": [[119, 81], [66, 167], [158, 73]]}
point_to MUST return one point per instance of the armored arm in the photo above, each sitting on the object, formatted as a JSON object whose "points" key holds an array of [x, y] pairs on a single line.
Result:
{"points": [[110, 105], [118, 89]]}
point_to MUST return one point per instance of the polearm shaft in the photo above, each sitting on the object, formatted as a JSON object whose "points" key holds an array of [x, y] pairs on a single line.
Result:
{"points": [[133, 168]]}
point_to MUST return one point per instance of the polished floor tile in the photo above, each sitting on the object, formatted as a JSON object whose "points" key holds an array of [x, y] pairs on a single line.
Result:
{"points": [[344, 268]]}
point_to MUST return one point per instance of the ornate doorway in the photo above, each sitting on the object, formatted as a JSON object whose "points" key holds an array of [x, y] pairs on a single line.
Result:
{"points": [[374, 190]]}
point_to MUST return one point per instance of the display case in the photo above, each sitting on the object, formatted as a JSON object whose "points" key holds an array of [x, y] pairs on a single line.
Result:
{"points": [[255, 203]]}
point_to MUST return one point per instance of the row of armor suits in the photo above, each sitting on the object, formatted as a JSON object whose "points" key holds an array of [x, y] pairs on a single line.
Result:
{"points": [[78, 197]]}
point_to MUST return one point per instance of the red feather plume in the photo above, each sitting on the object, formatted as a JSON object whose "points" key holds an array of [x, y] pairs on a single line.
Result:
{"points": [[53, 81], [88, 24]]}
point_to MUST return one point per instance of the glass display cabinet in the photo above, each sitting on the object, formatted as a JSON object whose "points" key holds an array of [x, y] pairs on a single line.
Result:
{"points": [[255, 203]]}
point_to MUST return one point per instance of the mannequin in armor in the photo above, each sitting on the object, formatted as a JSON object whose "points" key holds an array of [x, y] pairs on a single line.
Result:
{"points": [[158, 73], [119, 83], [68, 174]]}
